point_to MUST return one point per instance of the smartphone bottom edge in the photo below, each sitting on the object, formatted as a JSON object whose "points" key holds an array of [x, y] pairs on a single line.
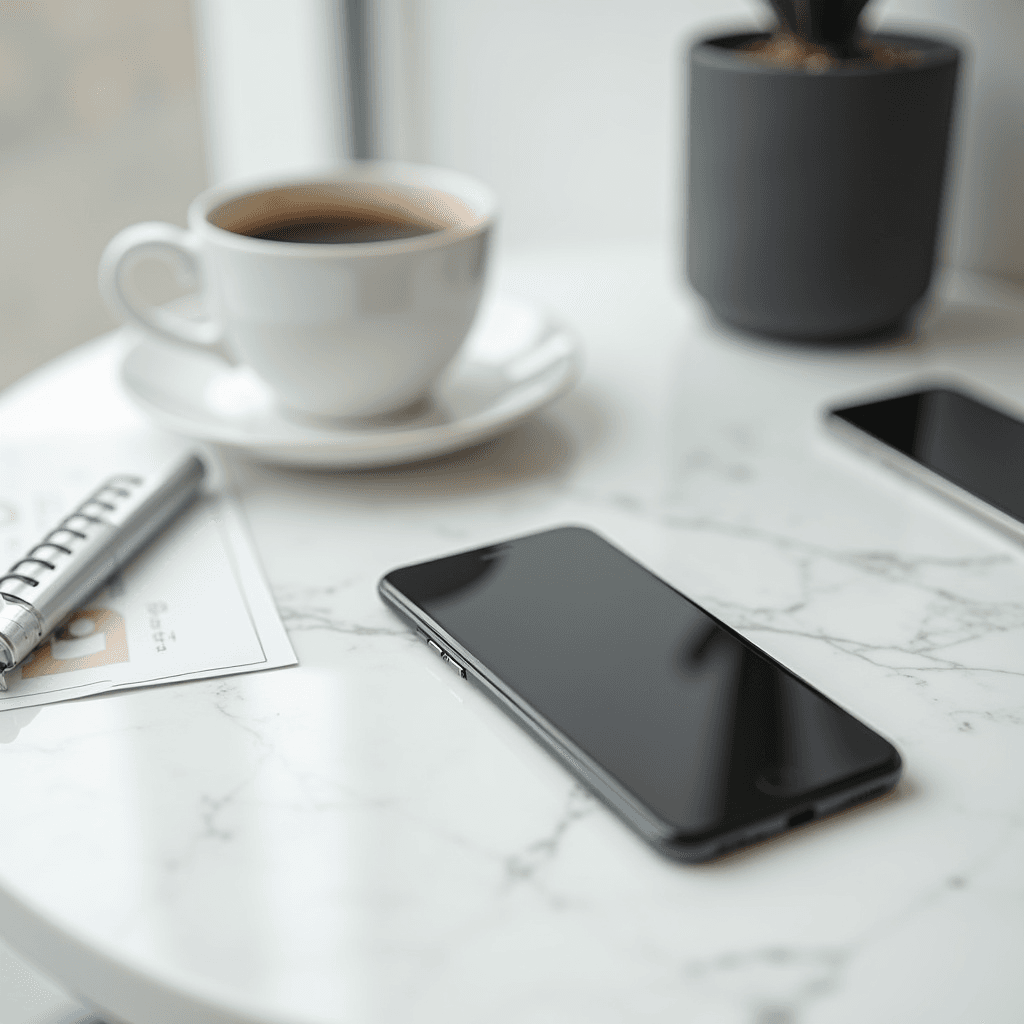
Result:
{"points": [[677, 847]]}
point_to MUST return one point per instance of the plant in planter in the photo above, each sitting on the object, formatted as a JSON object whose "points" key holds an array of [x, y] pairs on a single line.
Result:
{"points": [[817, 33], [817, 158]]}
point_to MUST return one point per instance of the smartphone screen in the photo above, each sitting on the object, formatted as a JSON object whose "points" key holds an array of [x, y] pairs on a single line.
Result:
{"points": [[972, 445], [643, 691]]}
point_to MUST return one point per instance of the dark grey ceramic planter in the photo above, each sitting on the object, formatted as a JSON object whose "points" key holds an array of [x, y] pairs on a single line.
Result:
{"points": [[814, 197]]}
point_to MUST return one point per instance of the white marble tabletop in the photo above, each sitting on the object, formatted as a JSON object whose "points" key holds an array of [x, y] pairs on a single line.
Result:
{"points": [[365, 838]]}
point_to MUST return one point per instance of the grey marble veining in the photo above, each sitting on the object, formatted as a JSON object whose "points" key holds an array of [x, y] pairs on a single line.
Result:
{"points": [[366, 837]]}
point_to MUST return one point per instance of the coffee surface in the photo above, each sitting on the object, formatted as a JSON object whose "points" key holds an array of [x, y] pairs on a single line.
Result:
{"points": [[333, 213], [334, 227]]}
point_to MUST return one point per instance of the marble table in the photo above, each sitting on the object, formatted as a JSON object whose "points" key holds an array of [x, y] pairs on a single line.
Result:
{"points": [[365, 838]]}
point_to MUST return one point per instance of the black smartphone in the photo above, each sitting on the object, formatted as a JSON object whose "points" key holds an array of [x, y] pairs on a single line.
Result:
{"points": [[949, 441], [692, 734]]}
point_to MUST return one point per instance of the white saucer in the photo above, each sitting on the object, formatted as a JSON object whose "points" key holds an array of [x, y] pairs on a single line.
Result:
{"points": [[515, 360]]}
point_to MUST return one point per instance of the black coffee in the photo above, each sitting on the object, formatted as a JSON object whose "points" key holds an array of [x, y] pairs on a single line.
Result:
{"points": [[332, 228], [341, 212]]}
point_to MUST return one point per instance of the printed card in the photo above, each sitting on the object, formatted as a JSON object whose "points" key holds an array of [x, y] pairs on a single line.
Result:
{"points": [[193, 604]]}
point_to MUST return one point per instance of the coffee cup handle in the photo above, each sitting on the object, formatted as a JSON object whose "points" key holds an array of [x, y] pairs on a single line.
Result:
{"points": [[179, 248]]}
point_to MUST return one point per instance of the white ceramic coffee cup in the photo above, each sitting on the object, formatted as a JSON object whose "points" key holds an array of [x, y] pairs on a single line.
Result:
{"points": [[334, 330]]}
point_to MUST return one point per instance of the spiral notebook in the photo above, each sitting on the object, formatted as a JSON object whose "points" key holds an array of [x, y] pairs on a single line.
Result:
{"points": [[193, 604]]}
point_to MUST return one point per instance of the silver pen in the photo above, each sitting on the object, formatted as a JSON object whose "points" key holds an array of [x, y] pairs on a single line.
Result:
{"points": [[77, 557]]}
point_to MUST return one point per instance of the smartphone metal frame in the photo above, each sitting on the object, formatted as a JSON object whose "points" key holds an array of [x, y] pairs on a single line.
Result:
{"points": [[658, 833], [906, 466]]}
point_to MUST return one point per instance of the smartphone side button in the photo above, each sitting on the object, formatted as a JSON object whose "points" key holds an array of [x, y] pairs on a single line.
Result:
{"points": [[454, 664], [444, 655]]}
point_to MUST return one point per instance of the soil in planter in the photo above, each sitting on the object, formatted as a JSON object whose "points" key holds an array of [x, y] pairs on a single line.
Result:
{"points": [[787, 50]]}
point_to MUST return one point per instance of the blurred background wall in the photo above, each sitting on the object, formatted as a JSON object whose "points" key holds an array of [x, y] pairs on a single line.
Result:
{"points": [[117, 111], [571, 109], [99, 127], [574, 109]]}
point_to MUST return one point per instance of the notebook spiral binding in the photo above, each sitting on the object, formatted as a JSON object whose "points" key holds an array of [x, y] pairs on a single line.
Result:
{"points": [[47, 584]]}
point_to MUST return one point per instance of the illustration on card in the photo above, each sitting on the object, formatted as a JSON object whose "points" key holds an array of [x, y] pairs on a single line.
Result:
{"points": [[90, 638]]}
